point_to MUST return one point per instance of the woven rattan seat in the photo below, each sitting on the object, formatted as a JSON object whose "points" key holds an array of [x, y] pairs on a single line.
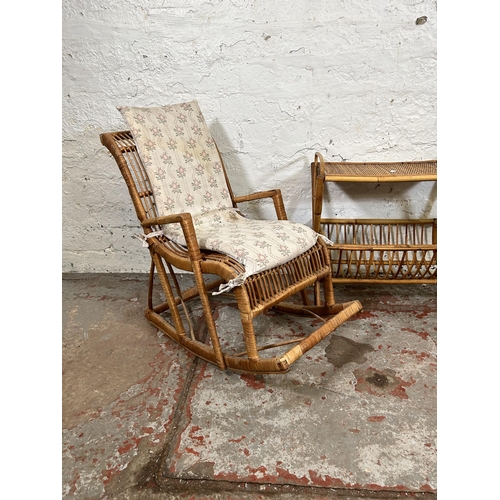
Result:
{"points": [[257, 294]]}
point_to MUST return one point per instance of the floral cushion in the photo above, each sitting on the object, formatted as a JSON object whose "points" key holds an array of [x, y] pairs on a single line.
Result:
{"points": [[180, 157], [186, 175], [256, 244]]}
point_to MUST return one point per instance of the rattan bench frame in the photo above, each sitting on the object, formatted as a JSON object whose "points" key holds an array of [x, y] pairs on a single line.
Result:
{"points": [[376, 251]]}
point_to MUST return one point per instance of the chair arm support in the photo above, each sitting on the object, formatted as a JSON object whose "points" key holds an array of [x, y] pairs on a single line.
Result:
{"points": [[276, 196], [186, 222]]}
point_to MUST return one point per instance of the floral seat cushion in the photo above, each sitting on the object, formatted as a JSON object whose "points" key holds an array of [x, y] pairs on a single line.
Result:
{"points": [[186, 175], [258, 245]]}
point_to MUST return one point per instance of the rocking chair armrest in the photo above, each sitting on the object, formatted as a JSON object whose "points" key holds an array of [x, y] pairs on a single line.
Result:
{"points": [[276, 196], [186, 222], [165, 219]]}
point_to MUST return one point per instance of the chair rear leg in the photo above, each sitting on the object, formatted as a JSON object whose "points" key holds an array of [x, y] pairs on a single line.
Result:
{"points": [[328, 292]]}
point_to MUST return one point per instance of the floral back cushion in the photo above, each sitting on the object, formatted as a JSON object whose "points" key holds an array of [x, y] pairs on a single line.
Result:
{"points": [[180, 157]]}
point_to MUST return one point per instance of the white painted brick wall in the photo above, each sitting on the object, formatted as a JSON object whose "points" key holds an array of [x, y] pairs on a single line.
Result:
{"points": [[277, 81]]}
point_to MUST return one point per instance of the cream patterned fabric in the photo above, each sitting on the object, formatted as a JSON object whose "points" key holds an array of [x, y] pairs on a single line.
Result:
{"points": [[257, 245], [180, 157], [186, 175]]}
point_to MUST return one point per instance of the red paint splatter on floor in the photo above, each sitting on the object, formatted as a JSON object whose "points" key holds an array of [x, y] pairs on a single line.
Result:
{"points": [[287, 476], [426, 487], [108, 474], [421, 356], [199, 439], [253, 381], [72, 490], [407, 329], [239, 440], [253, 472], [381, 382], [376, 418], [128, 446], [328, 481]]}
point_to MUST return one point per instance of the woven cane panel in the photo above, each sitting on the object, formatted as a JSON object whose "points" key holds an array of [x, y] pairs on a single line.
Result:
{"points": [[263, 288], [389, 169]]}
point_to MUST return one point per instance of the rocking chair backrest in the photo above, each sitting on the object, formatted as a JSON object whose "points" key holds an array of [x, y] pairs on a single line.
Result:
{"points": [[180, 157]]}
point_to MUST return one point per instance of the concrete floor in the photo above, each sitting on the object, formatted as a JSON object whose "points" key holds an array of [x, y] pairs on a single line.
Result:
{"points": [[355, 418]]}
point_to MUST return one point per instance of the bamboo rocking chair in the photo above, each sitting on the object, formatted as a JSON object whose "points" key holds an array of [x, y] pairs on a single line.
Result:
{"points": [[255, 294]]}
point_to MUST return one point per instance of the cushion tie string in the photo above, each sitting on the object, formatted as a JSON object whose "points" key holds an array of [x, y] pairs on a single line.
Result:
{"points": [[144, 237]]}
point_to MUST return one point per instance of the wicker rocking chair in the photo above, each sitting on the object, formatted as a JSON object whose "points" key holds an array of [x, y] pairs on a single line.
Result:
{"points": [[169, 149]]}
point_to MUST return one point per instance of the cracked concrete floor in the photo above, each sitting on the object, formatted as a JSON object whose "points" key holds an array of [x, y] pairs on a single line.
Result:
{"points": [[354, 418]]}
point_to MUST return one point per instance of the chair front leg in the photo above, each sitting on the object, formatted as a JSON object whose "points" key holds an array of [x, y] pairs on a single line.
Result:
{"points": [[209, 317], [167, 290]]}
